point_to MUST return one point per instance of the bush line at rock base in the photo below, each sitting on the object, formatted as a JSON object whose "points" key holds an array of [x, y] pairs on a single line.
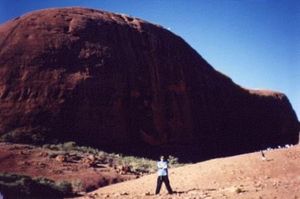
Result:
{"points": [[22, 186], [135, 164]]}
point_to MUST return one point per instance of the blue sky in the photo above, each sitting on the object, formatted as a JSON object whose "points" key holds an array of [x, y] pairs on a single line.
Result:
{"points": [[255, 42]]}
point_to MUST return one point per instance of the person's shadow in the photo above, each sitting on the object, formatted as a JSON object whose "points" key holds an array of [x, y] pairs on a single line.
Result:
{"points": [[178, 192]]}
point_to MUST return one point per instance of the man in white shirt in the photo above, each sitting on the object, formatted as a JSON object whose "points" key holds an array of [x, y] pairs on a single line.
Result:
{"points": [[162, 172]]}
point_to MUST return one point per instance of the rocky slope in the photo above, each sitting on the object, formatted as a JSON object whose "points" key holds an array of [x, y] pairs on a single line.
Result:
{"points": [[124, 84], [244, 176], [86, 171]]}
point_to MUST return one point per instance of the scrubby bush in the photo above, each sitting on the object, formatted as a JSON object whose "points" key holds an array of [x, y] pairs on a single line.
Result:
{"points": [[77, 185], [20, 136], [138, 165], [144, 165], [135, 164], [21, 186], [68, 146]]}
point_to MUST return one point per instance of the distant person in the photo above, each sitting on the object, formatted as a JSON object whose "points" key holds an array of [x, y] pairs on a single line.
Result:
{"points": [[263, 157], [162, 172]]}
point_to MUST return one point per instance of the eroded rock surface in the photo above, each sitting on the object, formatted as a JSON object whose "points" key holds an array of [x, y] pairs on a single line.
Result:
{"points": [[112, 80]]}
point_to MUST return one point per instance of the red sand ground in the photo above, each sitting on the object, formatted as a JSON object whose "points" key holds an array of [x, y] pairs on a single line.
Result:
{"points": [[37, 162], [245, 176]]}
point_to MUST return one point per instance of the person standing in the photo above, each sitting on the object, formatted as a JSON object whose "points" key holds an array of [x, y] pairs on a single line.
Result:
{"points": [[162, 177]]}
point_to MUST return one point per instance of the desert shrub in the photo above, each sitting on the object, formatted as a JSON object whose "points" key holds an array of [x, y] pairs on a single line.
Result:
{"points": [[68, 146], [136, 164], [21, 186], [20, 136], [63, 187], [174, 162], [54, 147], [77, 185], [46, 146], [139, 165]]}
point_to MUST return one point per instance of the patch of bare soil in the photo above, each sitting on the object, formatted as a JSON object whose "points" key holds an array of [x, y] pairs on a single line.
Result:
{"points": [[85, 171], [243, 176]]}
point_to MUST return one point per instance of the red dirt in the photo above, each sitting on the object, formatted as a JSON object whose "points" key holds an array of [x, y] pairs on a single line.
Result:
{"points": [[37, 162], [244, 176]]}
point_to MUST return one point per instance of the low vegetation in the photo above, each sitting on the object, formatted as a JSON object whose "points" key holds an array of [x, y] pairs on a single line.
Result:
{"points": [[21, 186], [133, 164], [37, 136]]}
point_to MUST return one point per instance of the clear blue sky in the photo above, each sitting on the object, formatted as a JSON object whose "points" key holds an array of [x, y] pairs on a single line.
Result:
{"points": [[255, 42]]}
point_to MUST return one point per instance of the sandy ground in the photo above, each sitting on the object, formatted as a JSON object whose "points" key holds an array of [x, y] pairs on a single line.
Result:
{"points": [[245, 176]]}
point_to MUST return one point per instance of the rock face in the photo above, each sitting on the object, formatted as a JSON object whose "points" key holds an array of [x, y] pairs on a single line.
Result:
{"points": [[112, 80]]}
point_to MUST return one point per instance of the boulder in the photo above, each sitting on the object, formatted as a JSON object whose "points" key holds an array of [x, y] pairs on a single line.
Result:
{"points": [[121, 83]]}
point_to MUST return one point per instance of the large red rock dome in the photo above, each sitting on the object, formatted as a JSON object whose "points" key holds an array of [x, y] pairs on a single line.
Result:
{"points": [[112, 80]]}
